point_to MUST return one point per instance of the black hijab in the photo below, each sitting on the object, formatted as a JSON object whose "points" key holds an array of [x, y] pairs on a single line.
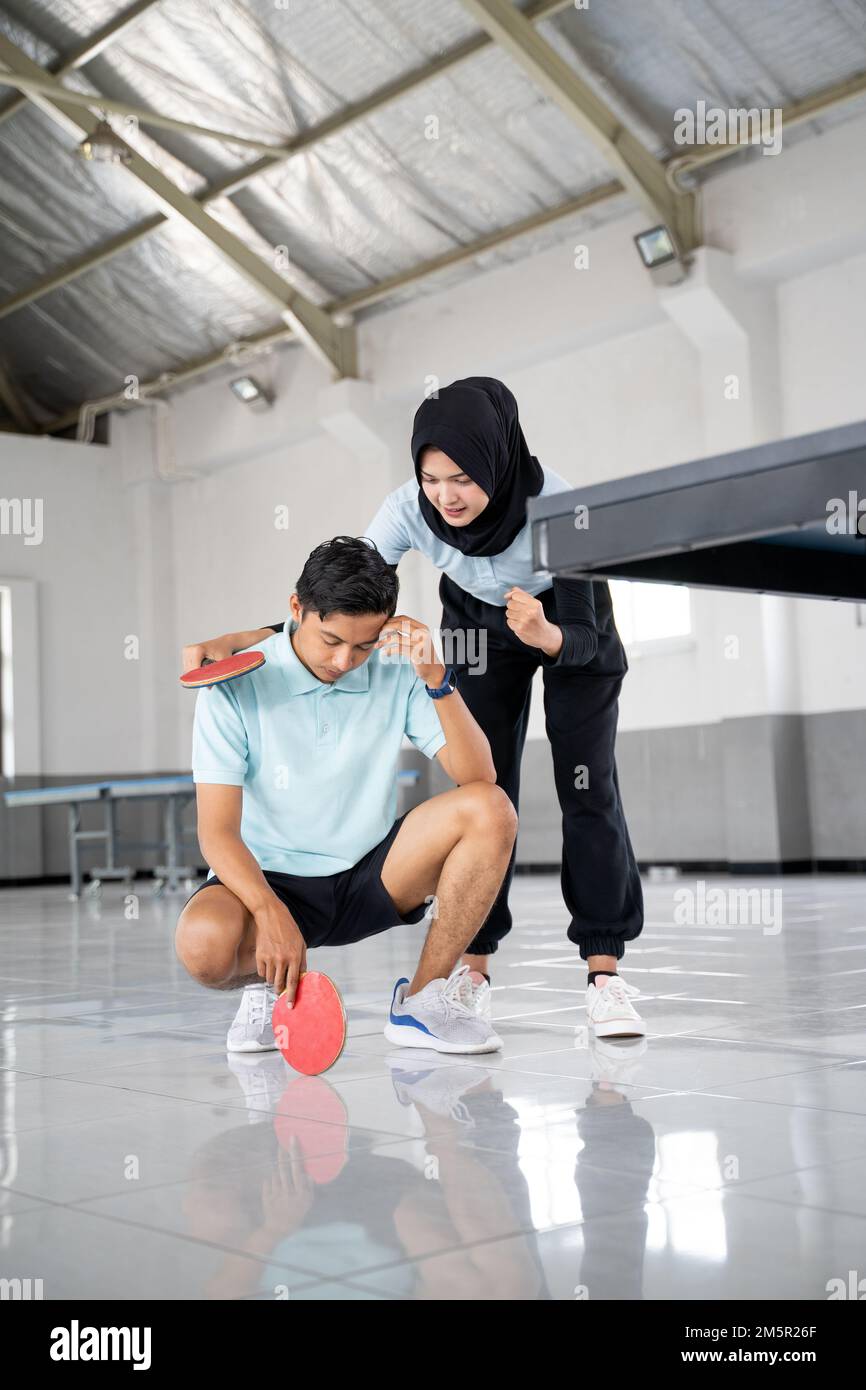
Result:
{"points": [[474, 422]]}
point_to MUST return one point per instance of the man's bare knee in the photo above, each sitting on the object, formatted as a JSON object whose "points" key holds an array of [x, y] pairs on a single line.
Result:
{"points": [[487, 808], [202, 948]]}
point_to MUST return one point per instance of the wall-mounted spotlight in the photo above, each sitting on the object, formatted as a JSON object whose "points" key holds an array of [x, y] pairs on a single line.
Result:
{"points": [[252, 393], [104, 147], [660, 256]]}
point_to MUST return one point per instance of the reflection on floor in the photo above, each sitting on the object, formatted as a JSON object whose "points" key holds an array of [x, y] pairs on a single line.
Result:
{"points": [[721, 1157]]}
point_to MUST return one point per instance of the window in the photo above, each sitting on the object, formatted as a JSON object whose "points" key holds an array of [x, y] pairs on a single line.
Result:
{"points": [[649, 613], [20, 719]]}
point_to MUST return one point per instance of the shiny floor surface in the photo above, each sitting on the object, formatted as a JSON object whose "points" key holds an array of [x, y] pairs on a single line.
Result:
{"points": [[724, 1156]]}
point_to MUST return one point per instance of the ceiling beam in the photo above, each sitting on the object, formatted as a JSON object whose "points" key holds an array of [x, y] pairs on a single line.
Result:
{"points": [[248, 348], [348, 115], [362, 299], [230, 183], [87, 51], [55, 279], [536, 11], [332, 343], [641, 173], [94, 101], [276, 151], [809, 109]]}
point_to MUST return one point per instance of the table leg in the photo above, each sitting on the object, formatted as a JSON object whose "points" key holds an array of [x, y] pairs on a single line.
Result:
{"points": [[110, 833], [74, 822]]}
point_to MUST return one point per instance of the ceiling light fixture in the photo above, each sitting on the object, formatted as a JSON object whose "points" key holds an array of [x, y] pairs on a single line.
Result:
{"points": [[657, 250], [104, 146], [248, 390]]}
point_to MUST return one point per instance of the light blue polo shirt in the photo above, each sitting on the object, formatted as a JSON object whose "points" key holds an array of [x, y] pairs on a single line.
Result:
{"points": [[317, 762], [399, 526]]}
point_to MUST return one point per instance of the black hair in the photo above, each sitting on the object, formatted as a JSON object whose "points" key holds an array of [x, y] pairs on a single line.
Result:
{"points": [[348, 575]]}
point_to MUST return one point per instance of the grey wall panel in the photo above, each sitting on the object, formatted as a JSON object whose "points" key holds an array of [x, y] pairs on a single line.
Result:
{"points": [[773, 788], [836, 762], [748, 790], [769, 788], [793, 808], [539, 837], [21, 853], [669, 779]]}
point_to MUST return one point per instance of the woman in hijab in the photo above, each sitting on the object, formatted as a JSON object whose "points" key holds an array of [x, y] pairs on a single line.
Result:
{"points": [[466, 510]]}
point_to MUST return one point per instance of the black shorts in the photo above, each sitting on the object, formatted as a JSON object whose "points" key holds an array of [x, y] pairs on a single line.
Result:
{"points": [[337, 909]]}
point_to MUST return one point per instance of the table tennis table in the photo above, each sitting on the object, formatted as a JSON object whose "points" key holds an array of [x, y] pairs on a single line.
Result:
{"points": [[176, 792], [760, 520]]}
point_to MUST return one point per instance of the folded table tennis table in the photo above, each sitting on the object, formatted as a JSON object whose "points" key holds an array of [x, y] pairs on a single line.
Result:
{"points": [[761, 520]]}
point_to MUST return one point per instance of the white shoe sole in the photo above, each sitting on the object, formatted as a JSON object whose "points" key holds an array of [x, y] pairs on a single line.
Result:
{"points": [[251, 1047], [403, 1036], [620, 1028]]}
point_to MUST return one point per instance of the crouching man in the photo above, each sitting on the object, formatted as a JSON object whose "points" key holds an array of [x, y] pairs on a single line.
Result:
{"points": [[295, 767]]}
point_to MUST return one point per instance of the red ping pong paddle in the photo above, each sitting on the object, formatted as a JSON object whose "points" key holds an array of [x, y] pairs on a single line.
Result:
{"points": [[311, 1033], [218, 672]]}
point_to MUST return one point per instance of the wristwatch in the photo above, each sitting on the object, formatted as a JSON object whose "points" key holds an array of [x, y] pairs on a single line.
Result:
{"points": [[447, 688]]}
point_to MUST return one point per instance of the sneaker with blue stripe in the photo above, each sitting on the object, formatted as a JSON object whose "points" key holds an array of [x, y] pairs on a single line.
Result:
{"points": [[437, 1017]]}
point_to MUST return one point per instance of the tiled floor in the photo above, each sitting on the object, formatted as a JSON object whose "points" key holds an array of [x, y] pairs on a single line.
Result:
{"points": [[722, 1157]]}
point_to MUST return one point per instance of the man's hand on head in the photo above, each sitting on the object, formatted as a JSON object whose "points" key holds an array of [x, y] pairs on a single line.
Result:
{"points": [[403, 636]]}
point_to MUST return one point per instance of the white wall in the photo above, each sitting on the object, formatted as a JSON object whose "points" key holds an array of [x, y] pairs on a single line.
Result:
{"points": [[823, 347], [609, 383], [85, 576]]}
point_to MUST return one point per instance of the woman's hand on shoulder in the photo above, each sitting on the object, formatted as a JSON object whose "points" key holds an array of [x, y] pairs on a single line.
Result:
{"points": [[214, 649]]}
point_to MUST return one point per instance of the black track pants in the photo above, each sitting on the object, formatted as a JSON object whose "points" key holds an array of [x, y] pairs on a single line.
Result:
{"points": [[600, 881]]}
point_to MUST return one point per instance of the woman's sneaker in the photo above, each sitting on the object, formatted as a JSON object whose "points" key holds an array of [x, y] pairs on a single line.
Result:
{"points": [[610, 1012], [252, 1030], [437, 1017]]}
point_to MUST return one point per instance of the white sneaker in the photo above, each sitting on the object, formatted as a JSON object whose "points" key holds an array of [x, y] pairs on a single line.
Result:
{"points": [[475, 994], [610, 1012], [252, 1030], [436, 1017]]}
